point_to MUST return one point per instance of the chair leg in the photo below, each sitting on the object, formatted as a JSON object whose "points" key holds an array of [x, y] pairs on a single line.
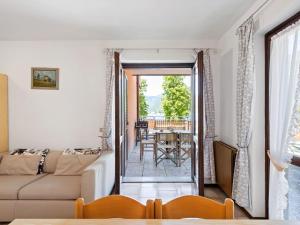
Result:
{"points": [[178, 151], [141, 151], [155, 154], [153, 151]]}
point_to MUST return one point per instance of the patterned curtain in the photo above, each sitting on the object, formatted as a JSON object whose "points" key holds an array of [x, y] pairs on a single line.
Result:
{"points": [[209, 162], [244, 104], [110, 77]]}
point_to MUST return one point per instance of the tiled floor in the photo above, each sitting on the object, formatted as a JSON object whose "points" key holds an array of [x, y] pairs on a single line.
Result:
{"points": [[168, 191], [147, 168]]}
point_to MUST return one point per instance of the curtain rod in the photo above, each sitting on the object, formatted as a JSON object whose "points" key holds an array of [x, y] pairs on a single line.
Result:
{"points": [[195, 50], [158, 49], [258, 10]]}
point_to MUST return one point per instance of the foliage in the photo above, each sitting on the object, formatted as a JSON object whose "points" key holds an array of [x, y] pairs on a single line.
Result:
{"points": [[176, 101], [143, 105]]}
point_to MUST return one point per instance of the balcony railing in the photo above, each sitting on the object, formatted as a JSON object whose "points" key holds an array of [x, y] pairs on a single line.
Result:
{"points": [[161, 124]]}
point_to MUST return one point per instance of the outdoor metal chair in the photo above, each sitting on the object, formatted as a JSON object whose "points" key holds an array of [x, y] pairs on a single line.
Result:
{"points": [[165, 147], [141, 128]]}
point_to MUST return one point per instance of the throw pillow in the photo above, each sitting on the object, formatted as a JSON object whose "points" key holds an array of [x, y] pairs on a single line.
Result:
{"points": [[73, 165], [20, 164], [42, 152], [73, 161], [82, 151]]}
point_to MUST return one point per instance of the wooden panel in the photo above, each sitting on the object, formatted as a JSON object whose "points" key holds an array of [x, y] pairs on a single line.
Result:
{"points": [[3, 113], [224, 162]]}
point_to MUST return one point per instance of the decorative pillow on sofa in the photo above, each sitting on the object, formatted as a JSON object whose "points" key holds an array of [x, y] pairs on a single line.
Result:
{"points": [[42, 152], [73, 161], [20, 164], [82, 151]]}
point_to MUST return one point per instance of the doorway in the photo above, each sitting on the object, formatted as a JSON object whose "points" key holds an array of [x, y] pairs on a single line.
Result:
{"points": [[121, 118], [160, 99]]}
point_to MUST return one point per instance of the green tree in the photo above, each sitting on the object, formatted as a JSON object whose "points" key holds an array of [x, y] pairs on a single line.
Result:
{"points": [[143, 105], [176, 100]]}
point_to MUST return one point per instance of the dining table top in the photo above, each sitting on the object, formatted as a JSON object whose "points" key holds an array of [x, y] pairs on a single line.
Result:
{"points": [[148, 222]]}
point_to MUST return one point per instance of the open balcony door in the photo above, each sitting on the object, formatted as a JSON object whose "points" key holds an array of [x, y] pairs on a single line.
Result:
{"points": [[197, 123], [120, 122]]}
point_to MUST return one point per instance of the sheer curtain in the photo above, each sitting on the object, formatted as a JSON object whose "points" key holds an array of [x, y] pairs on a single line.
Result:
{"points": [[284, 112]]}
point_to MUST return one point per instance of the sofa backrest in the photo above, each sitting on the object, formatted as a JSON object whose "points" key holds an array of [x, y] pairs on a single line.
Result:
{"points": [[51, 160]]}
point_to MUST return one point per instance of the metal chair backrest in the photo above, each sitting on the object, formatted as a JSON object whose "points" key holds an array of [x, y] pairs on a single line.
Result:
{"points": [[141, 124]]}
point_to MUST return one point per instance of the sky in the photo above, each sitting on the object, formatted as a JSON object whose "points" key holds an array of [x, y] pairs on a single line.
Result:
{"points": [[155, 84]]}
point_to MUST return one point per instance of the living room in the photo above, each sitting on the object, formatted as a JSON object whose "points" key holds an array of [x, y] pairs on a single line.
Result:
{"points": [[63, 114]]}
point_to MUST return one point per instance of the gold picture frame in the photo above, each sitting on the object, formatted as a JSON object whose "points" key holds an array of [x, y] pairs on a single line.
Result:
{"points": [[44, 78]]}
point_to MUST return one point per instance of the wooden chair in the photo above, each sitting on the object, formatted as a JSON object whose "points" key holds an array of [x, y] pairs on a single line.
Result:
{"points": [[166, 145], [114, 206], [146, 143], [185, 147], [191, 206]]}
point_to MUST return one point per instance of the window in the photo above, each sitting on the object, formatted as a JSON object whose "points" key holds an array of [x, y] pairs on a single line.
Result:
{"points": [[283, 119]]}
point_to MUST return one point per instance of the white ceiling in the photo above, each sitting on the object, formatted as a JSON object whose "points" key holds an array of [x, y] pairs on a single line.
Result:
{"points": [[118, 19]]}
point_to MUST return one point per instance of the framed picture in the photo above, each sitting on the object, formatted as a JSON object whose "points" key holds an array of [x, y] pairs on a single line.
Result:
{"points": [[44, 78]]}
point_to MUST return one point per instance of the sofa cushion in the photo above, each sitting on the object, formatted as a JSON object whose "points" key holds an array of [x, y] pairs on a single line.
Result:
{"points": [[53, 187], [51, 161], [10, 185]]}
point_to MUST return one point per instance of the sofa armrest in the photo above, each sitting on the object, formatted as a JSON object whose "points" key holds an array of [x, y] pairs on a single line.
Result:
{"points": [[98, 179]]}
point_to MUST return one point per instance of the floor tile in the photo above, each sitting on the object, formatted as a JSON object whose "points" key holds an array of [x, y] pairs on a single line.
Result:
{"points": [[169, 191], [147, 167]]}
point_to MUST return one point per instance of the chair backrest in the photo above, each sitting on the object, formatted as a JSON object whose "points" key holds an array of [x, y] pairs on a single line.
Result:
{"points": [[166, 137], [191, 206], [185, 138], [114, 206], [141, 124]]}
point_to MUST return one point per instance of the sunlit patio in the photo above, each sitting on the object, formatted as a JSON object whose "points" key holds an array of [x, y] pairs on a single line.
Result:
{"points": [[146, 170]]}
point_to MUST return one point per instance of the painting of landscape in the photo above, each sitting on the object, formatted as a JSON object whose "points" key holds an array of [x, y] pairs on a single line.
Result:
{"points": [[44, 78]]}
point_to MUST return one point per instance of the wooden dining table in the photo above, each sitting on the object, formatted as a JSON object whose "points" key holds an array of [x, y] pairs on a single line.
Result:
{"points": [[148, 222]]}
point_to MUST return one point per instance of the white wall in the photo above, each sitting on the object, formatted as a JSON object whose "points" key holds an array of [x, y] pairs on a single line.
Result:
{"points": [[72, 115], [68, 117], [274, 13]]}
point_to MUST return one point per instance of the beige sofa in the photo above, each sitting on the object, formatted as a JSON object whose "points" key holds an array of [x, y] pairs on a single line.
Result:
{"points": [[50, 196]]}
